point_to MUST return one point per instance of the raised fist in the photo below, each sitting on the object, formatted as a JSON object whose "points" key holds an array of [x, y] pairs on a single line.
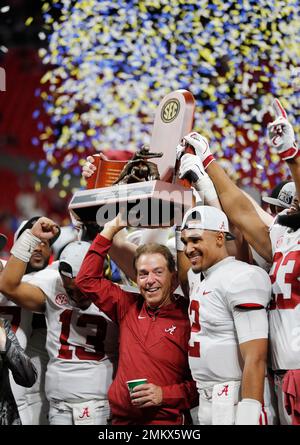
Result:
{"points": [[45, 229], [281, 134]]}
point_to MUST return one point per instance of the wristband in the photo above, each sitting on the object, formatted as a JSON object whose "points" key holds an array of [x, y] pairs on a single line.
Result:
{"points": [[248, 412], [289, 154], [208, 161], [24, 246]]}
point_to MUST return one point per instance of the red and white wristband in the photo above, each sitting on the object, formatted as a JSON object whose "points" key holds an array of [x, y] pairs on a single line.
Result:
{"points": [[290, 153], [208, 161]]}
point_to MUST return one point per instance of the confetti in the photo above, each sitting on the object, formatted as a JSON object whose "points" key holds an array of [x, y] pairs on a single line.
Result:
{"points": [[111, 63]]}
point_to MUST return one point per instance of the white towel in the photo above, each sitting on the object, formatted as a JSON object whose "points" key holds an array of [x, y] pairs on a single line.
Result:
{"points": [[83, 413], [225, 397]]}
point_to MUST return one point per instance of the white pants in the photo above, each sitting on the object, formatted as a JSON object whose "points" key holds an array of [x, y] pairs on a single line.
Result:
{"points": [[205, 414], [284, 417], [92, 412], [194, 415], [19, 393], [38, 407], [37, 402]]}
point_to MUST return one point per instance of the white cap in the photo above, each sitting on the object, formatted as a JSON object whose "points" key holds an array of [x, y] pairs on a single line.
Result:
{"points": [[285, 196], [207, 218], [73, 255], [67, 235]]}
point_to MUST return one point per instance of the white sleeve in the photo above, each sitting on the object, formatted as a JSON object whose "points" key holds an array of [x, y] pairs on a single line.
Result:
{"points": [[250, 285], [250, 324], [277, 231], [46, 280]]}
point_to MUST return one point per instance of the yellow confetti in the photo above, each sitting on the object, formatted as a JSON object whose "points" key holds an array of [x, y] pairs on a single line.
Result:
{"points": [[28, 21]]}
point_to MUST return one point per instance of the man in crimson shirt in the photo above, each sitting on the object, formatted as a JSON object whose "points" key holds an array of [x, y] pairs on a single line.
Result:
{"points": [[154, 334]]}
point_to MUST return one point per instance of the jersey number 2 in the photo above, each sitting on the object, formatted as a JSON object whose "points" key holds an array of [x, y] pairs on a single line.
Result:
{"points": [[194, 346]]}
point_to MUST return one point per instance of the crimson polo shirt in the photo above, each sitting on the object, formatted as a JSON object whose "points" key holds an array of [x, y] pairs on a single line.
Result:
{"points": [[152, 345]]}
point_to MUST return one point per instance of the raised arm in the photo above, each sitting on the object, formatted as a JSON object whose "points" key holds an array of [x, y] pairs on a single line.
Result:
{"points": [[241, 212], [24, 294], [109, 297], [282, 139], [122, 252], [239, 209]]}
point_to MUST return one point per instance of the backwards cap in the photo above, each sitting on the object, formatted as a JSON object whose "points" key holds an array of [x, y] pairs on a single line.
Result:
{"points": [[72, 257], [207, 218], [285, 196]]}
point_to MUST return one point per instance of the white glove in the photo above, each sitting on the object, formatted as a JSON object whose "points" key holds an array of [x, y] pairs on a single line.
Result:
{"points": [[281, 134], [248, 412], [180, 149], [192, 163], [201, 147], [89, 168]]}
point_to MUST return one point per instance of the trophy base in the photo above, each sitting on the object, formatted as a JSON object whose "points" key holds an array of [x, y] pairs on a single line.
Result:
{"points": [[146, 204]]}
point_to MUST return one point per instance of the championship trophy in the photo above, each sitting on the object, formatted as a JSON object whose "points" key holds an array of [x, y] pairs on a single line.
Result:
{"points": [[148, 192]]}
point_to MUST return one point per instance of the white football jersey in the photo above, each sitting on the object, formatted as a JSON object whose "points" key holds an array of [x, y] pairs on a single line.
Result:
{"points": [[213, 346], [82, 344], [20, 319], [284, 315]]}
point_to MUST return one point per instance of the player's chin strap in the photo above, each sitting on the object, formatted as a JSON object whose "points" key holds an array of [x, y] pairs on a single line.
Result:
{"points": [[248, 412]]}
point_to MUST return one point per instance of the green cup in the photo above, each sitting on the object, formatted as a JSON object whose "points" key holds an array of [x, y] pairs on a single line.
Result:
{"points": [[133, 383]]}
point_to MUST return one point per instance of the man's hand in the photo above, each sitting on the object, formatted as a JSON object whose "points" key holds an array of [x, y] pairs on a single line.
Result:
{"points": [[89, 168], [114, 226], [147, 395], [201, 147], [281, 134], [191, 164], [201, 181], [44, 229]]}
